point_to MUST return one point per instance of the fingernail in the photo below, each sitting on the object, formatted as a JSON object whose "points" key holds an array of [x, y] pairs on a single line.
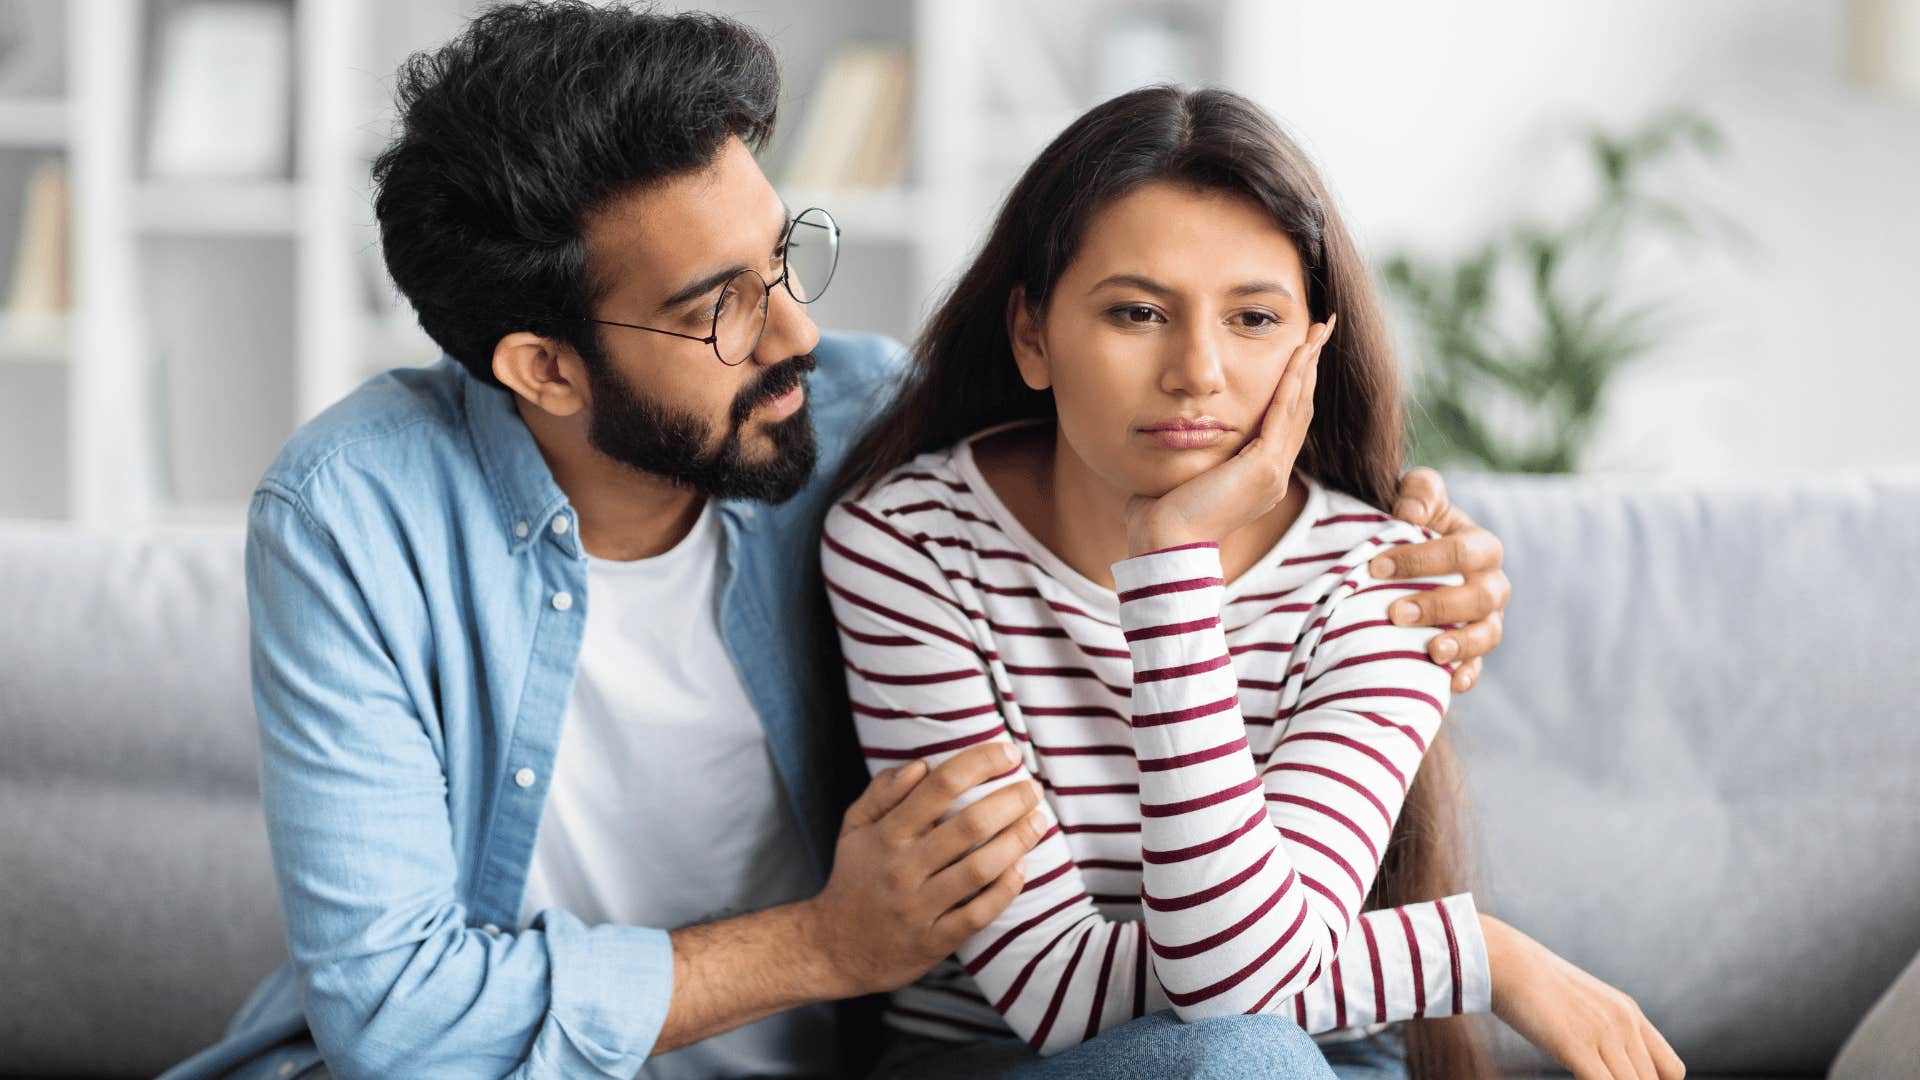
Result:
{"points": [[1406, 612], [1038, 791], [1466, 681], [1409, 510], [1383, 567], [1008, 754], [1038, 820], [1446, 650]]}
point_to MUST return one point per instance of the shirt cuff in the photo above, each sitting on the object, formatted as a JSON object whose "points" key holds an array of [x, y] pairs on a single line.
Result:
{"points": [[611, 985], [1476, 973]]}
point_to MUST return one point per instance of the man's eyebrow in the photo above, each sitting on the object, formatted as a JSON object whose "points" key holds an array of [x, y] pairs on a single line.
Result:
{"points": [[712, 281], [699, 288]]}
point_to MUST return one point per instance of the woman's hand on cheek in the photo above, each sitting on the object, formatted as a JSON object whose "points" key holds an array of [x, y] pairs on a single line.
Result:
{"points": [[1241, 489]]}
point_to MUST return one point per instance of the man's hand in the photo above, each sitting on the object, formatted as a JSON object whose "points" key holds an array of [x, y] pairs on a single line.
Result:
{"points": [[1463, 548], [908, 888]]}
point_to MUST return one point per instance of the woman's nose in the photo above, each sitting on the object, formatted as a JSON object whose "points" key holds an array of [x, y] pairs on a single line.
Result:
{"points": [[1195, 366]]}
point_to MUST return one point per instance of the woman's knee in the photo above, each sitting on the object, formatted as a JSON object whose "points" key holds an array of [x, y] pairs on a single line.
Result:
{"points": [[1160, 1047], [1253, 1046]]}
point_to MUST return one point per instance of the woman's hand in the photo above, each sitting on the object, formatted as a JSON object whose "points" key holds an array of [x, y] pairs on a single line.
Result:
{"points": [[1479, 601], [1591, 1029], [1251, 483]]}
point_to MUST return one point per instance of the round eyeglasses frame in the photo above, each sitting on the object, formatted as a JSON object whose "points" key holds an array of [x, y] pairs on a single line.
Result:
{"points": [[712, 340]]}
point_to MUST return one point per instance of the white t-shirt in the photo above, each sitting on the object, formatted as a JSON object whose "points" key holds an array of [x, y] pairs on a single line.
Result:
{"points": [[665, 808]]}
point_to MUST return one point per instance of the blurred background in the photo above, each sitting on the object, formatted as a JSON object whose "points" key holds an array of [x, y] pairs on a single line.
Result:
{"points": [[1628, 235]]}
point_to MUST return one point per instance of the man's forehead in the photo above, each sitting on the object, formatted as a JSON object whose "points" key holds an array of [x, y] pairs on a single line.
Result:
{"points": [[650, 241]]}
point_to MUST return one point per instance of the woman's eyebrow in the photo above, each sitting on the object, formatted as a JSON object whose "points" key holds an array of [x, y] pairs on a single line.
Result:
{"points": [[1135, 281], [1147, 284], [1252, 288]]}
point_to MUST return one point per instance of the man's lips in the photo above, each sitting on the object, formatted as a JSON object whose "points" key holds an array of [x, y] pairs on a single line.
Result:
{"points": [[786, 404]]}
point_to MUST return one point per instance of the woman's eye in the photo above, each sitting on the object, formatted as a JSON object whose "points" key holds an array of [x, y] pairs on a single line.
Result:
{"points": [[1257, 320], [1135, 314]]}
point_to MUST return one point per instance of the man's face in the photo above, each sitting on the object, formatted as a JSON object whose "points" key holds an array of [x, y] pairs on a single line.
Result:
{"points": [[667, 405]]}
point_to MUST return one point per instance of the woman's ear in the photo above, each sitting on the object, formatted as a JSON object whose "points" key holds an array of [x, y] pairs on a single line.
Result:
{"points": [[541, 370], [1029, 349]]}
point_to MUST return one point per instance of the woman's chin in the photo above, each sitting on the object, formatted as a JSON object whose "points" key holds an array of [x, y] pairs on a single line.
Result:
{"points": [[1153, 479]]}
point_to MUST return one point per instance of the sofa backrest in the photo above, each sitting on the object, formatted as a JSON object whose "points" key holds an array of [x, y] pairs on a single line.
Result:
{"points": [[1694, 763], [134, 882]]}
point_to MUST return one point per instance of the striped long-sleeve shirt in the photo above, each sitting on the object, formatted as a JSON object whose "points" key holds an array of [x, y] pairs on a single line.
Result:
{"points": [[1222, 764]]}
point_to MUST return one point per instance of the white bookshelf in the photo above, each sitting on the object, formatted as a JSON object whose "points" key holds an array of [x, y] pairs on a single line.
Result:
{"points": [[211, 318]]}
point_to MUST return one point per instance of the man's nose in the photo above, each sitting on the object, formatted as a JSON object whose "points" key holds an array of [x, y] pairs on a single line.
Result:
{"points": [[789, 332]]}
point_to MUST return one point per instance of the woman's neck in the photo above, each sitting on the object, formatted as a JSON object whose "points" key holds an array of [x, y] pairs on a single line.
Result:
{"points": [[1081, 518]]}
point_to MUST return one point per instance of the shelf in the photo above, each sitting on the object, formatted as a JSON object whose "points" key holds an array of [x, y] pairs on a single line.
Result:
{"points": [[215, 207], [33, 122], [33, 339]]}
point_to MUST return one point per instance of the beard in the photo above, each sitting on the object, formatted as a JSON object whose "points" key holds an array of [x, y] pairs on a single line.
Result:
{"points": [[653, 437]]}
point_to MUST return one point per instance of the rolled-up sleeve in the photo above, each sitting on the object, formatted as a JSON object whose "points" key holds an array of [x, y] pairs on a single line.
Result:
{"points": [[393, 979]]}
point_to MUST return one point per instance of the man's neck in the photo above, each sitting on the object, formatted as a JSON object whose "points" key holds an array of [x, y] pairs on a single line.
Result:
{"points": [[623, 513]]}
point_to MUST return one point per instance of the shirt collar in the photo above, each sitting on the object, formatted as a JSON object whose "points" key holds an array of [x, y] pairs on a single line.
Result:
{"points": [[522, 485]]}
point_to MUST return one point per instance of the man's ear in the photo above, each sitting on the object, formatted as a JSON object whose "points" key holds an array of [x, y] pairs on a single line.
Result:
{"points": [[544, 372], [1029, 347]]}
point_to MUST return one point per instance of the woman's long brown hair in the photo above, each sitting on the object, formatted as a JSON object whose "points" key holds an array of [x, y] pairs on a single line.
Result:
{"points": [[963, 379]]}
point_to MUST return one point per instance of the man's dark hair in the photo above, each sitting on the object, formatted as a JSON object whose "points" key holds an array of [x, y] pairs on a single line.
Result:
{"points": [[536, 116]]}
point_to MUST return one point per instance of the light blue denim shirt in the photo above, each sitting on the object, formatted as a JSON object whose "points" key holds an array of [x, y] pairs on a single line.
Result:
{"points": [[418, 593]]}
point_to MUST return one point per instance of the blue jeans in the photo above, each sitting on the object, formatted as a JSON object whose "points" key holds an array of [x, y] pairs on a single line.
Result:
{"points": [[1154, 1047]]}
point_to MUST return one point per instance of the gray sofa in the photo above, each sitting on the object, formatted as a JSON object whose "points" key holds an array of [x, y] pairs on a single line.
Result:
{"points": [[1694, 768]]}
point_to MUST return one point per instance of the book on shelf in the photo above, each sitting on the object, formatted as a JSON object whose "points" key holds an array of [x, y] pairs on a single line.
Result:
{"points": [[40, 291], [223, 95], [854, 131]]}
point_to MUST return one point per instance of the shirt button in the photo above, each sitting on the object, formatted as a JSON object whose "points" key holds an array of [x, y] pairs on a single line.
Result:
{"points": [[562, 601], [286, 1068], [491, 929], [747, 512], [560, 524], [524, 778], [520, 529]]}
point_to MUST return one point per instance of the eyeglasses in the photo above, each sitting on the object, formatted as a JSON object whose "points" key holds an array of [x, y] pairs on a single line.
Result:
{"points": [[809, 252]]}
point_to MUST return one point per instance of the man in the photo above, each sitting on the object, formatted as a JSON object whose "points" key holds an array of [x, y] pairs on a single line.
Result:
{"points": [[550, 767]]}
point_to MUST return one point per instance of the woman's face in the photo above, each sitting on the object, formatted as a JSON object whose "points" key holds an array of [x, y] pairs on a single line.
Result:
{"points": [[1165, 338]]}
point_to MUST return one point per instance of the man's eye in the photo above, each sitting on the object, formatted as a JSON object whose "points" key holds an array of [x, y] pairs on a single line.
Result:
{"points": [[719, 305], [780, 255]]}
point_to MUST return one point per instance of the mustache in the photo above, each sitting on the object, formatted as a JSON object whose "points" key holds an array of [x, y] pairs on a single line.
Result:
{"points": [[777, 380]]}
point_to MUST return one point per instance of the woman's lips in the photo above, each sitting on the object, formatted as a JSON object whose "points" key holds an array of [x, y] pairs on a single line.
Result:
{"points": [[1184, 434]]}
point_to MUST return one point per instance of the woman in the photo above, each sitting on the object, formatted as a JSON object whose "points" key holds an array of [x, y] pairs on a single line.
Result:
{"points": [[1120, 518]]}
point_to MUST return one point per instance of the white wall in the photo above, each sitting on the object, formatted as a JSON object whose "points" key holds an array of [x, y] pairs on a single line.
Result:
{"points": [[1434, 122]]}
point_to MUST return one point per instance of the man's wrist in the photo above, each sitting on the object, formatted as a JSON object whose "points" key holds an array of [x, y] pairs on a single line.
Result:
{"points": [[816, 954]]}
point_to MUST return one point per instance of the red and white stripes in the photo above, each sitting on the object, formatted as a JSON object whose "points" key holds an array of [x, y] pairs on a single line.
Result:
{"points": [[1223, 766]]}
